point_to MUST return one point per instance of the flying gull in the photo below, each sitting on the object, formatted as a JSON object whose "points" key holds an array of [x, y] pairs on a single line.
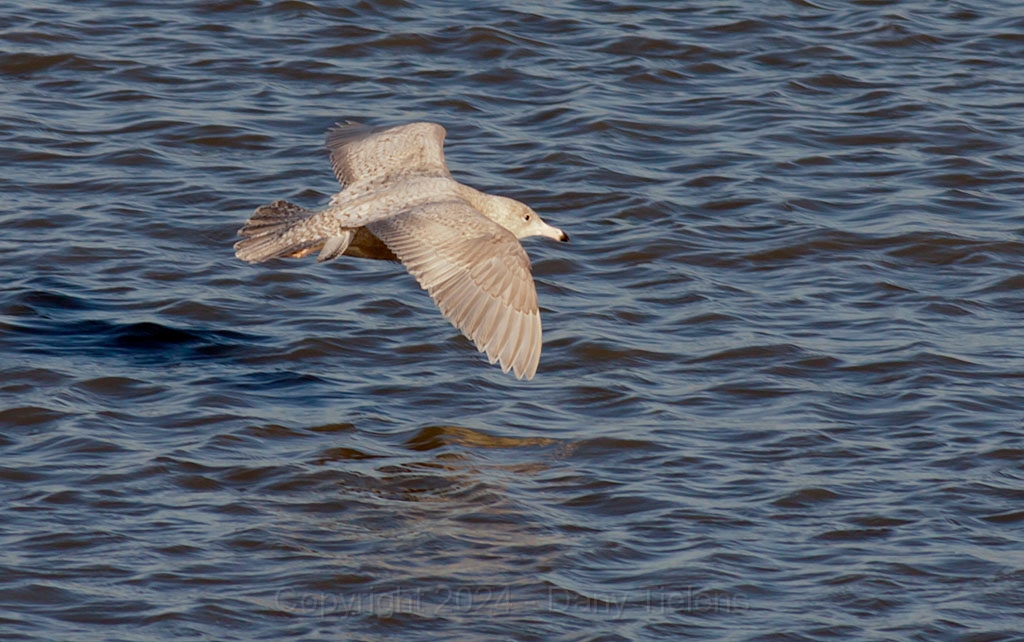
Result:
{"points": [[399, 202]]}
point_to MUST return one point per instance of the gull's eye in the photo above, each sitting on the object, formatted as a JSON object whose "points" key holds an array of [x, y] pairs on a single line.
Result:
{"points": [[526, 217]]}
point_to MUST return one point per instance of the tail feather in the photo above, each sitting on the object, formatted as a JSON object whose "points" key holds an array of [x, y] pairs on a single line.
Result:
{"points": [[275, 231]]}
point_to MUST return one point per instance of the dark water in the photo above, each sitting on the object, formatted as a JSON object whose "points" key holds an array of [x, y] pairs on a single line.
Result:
{"points": [[780, 396]]}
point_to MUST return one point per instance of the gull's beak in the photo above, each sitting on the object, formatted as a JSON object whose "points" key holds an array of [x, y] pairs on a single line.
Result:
{"points": [[553, 232]]}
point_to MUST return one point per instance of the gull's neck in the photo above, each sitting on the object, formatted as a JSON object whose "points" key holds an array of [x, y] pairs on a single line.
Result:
{"points": [[475, 197]]}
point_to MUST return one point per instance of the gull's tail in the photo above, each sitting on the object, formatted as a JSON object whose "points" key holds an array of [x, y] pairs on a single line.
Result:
{"points": [[283, 229]]}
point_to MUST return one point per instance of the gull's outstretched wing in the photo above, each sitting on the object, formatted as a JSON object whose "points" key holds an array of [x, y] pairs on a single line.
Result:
{"points": [[363, 153], [478, 275]]}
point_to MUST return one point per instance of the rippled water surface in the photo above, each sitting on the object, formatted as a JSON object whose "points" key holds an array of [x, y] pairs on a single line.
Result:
{"points": [[780, 394]]}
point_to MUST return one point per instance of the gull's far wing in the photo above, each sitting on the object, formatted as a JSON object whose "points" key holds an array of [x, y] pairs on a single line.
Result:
{"points": [[363, 153], [478, 275]]}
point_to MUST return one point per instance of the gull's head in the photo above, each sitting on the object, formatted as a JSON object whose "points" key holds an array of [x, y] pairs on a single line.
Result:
{"points": [[520, 219]]}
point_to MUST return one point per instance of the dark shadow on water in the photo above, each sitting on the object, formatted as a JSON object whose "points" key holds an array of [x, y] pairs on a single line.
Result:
{"points": [[144, 341]]}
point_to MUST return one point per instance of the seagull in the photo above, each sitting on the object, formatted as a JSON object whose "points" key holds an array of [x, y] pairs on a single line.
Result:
{"points": [[399, 202]]}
